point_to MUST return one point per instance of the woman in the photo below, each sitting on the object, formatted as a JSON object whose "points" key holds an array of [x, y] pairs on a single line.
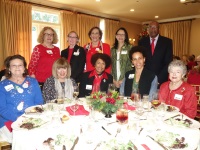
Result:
{"points": [[178, 93], [18, 92], [139, 77], [75, 56], [44, 55], [194, 74], [191, 63], [119, 55], [96, 46], [97, 77], [59, 81]]}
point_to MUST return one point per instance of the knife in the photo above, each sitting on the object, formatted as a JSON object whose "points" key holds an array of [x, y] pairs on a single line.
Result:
{"points": [[158, 143], [172, 117], [135, 148], [75, 142], [106, 130]]}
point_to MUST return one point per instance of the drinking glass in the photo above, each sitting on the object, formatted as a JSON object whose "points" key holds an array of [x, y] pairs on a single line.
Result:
{"points": [[145, 100], [60, 96], [74, 106], [122, 115], [155, 100], [76, 92], [135, 96], [111, 88]]}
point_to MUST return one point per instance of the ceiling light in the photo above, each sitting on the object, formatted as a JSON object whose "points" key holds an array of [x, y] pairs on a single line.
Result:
{"points": [[98, 0], [132, 10], [156, 16]]}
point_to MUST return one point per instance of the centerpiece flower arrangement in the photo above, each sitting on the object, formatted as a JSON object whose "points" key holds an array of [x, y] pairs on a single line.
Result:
{"points": [[106, 103], [144, 32]]}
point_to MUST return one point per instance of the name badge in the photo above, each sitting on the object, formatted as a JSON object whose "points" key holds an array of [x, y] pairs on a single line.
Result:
{"points": [[124, 52], [178, 97], [76, 53], [131, 76], [88, 87], [9, 87], [49, 52]]}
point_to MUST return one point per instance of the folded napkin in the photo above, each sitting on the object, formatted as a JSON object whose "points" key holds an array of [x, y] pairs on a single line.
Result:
{"points": [[81, 111], [8, 125], [145, 146], [127, 106]]}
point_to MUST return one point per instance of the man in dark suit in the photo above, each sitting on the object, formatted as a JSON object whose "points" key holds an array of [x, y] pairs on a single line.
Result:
{"points": [[159, 52]]}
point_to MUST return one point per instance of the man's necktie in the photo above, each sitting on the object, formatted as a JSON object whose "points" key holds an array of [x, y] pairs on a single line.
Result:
{"points": [[152, 46]]}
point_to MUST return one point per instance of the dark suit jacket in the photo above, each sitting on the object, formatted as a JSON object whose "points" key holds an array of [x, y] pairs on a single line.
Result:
{"points": [[77, 62], [163, 54], [85, 80]]}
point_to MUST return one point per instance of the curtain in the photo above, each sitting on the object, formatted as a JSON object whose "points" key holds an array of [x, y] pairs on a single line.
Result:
{"points": [[111, 27], [84, 24], [179, 32], [15, 29], [68, 23]]}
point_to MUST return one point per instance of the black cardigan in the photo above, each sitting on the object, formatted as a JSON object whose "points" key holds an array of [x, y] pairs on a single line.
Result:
{"points": [[145, 81], [85, 80]]}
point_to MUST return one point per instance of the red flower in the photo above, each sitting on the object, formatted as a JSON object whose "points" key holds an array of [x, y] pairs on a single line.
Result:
{"points": [[110, 100]]}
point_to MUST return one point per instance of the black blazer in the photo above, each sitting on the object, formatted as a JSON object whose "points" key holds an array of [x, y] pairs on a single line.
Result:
{"points": [[85, 81], [163, 55], [77, 62]]}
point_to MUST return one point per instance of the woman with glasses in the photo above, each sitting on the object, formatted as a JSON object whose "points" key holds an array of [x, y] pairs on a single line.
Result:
{"points": [[95, 46], [44, 55], [120, 56], [75, 55], [17, 92]]}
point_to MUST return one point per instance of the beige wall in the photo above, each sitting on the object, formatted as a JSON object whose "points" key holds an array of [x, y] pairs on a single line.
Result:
{"points": [[195, 38], [132, 29]]}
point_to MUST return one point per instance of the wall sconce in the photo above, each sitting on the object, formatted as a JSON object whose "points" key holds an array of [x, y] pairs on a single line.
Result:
{"points": [[132, 41]]}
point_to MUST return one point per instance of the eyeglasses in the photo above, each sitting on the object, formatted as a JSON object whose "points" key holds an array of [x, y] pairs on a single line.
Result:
{"points": [[47, 34], [71, 37], [120, 34]]}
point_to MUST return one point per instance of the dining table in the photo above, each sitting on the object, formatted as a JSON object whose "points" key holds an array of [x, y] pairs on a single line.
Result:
{"points": [[59, 128]]}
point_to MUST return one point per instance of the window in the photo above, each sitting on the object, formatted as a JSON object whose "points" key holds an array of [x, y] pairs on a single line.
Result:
{"points": [[42, 17]]}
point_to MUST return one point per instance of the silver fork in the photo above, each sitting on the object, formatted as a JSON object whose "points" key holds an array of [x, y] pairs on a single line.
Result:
{"points": [[118, 131]]}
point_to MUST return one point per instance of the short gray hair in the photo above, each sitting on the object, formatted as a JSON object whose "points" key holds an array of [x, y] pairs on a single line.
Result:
{"points": [[180, 64]]}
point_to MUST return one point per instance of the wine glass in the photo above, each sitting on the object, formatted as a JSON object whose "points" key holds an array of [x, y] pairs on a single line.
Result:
{"points": [[111, 88], [76, 92], [60, 95], [122, 115], [74, 107], [155, 100], [135, 96]]}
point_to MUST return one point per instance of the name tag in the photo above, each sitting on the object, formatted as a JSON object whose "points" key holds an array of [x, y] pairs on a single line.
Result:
{"points": [[131, 76], [178, 97], [9, 87], [88, 87], [76, 53], [49, 52], [124, 52]]}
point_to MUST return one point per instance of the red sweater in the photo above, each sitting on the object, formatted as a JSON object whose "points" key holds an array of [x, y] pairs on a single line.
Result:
{"points": [[42, 60], [183, 97], [93, 50]]}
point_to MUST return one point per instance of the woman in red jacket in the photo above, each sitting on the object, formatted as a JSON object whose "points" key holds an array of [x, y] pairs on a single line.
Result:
{"points": [[178, 93]]}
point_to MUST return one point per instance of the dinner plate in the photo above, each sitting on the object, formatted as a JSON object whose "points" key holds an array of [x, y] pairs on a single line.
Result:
{"points": [[37, 121], [33, 110]]}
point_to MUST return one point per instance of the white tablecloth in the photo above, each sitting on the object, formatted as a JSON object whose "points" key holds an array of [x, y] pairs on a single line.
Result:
{"points": [[90, 132]]}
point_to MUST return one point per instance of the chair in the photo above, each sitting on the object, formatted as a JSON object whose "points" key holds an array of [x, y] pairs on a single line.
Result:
{"points": [[197, 92], [5, 145]]}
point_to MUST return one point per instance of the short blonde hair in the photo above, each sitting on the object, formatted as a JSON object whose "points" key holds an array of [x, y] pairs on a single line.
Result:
{"points": [[178, 63], [61, 63], [40, 38]]}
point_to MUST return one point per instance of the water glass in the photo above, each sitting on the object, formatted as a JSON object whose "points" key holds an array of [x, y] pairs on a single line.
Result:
{"points": [[146, 103], [111, 88], [60, 96]]}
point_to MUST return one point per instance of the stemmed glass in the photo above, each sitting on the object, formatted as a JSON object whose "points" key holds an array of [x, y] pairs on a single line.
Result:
{"points": [[74, 107], [155, 100], [135, 96], [111, 88], [76, 92]]}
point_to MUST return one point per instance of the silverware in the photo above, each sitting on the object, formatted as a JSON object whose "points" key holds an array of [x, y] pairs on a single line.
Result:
{"points": [[140, 131], [118, 131], [75, 142], [97, 145], [158, 143], [112, 122], [172, 117], [106, 130]]}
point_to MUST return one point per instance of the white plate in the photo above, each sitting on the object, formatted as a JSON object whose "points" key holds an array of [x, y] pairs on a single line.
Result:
{"points": [[175, 109], [31, 110], [36, 120]]}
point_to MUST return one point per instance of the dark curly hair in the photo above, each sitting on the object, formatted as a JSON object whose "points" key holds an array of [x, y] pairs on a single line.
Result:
{"points": [[135, 49], [100, 32], [106, 58], [7, 65], [126, 38]]}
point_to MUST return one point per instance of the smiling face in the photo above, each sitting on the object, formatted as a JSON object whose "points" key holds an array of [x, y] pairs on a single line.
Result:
{"points": [[48, 36], [61, 73], [175, 74], [153, 29], [120, 36], [17, 67], [138, 60], [95, 35], [72, 39], [100, 66]]}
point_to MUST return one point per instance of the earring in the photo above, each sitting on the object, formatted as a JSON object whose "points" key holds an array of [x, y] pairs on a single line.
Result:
{"points": [[9, 72]]}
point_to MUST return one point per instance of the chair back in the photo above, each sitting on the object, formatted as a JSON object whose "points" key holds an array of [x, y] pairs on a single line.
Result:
{"points": [[197, 92]]}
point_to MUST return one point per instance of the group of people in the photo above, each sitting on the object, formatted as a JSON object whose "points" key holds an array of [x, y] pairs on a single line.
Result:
{"points": [[144, 67]]}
